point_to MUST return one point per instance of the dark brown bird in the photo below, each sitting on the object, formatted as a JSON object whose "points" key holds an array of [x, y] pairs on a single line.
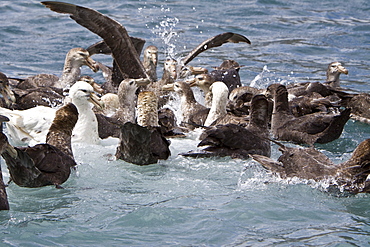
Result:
{"points": [[44, 164], [143, 143], [113, 33], [238, 141], [307, 129], [309, 163], [8, 95], [4, 147]]}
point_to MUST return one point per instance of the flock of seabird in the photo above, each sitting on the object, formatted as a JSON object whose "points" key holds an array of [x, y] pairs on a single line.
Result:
{"points": [[44, 114]]}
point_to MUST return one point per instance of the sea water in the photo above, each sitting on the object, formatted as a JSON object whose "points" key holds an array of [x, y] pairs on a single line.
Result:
{"points": [[184, 201]]}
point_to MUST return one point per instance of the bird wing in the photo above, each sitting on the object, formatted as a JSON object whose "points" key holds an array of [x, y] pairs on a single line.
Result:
{"points": [[113, 33], [215, 41], [102, 48], [268, 163]]}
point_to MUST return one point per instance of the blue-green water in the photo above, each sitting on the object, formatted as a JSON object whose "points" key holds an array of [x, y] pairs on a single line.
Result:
{"points": [[188, 202]]}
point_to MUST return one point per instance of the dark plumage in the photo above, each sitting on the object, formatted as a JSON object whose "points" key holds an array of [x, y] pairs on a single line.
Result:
{"points": [[215, 41], [60, 131], [113, 33], [307, 129], [240, 99], [228, 73], [40, 96], [108, 126], [6, 92], [360, 107], [112, 75], [237, 141], [44, 164], [115, 36], [330, 87], [142, 145], [22, 97], [309, 163], [168, 122], [4, 146]]}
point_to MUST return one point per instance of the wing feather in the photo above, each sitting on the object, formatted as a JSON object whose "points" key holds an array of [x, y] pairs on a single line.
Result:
{"points": [[215, 41], [113, 33]]}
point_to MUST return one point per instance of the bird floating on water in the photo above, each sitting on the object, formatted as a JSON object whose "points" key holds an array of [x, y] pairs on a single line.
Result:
{"points": [[43, 164], [310, 163]]}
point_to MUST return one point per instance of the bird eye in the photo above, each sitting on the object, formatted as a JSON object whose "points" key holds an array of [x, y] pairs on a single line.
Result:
{"points": [[82, 54]]}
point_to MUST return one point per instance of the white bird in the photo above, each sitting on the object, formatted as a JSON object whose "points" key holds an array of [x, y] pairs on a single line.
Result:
{"points": [[220, 94], [30, 127], [86, 128]]}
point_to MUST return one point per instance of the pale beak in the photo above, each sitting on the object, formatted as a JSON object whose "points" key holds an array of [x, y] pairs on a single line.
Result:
{"points": [[97, 88], [168, 87], [91, 64], [142, 81], [198, 70], [343, 70], [191, 82], [96, 101]]}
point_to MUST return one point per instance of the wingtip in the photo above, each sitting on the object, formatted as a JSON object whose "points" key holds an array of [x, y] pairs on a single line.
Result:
{"points": [[237, 38], [60, 7]]}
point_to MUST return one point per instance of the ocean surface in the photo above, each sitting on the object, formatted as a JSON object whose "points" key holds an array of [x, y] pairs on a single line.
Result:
{"points": [[182, 201]]}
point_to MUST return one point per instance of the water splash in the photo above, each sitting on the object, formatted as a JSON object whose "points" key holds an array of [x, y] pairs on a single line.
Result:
{"points": [[259, 81], [166, 31], [266, 78]]}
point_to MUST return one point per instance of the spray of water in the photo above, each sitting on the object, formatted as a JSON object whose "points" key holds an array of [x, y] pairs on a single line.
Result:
{"points": [[166, 31]]}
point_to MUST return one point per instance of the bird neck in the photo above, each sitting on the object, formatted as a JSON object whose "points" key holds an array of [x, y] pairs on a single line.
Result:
{"points": [[70, 75], [218, 108], [333, 79]]}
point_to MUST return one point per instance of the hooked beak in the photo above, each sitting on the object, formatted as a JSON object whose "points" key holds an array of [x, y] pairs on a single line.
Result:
{"points": [[343, 70], [191, 82], [91, 64], [142, 81], [96, 101], [168, 87], [198, 70], [97, 88]]}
